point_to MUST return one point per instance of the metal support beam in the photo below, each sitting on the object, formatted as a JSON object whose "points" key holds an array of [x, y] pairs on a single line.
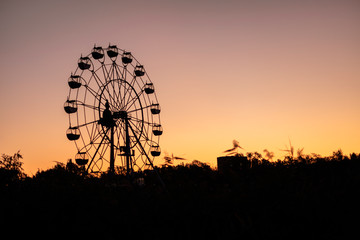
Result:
{"points": [[112, 156], [127, 148]]}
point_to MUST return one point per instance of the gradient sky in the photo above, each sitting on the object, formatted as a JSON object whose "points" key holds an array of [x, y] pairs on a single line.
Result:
{"points": [[258, 71]]}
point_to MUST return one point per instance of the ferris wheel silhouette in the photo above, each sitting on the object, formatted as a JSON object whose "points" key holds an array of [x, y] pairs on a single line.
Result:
{"points": [[114, 114]]}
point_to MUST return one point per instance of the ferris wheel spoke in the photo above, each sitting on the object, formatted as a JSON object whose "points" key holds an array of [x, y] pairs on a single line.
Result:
{"points": [[127, 89], [140, 155], [103, 150], [112, 83], [93, 132], [120, 75], [89, 106], [85, 124], [97, 149], [133, 80], [105, 72], [116, 87], [124, 77], [106, 88], [110, 97], [117, 91], [138, 109], [97, 79], [120, 134], [133, 100], [141, 120], [139, 131], [97, 136], [92, 92], [96, 96], [124, 90]]}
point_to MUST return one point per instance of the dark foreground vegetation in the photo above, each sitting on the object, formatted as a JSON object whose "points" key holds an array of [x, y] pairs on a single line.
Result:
{"points": [[309, 198]]}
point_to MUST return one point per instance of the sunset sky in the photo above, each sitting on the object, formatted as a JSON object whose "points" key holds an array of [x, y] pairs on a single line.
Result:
{"points": [[261, 72]]}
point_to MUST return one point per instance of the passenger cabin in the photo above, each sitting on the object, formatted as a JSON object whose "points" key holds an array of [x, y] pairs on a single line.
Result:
{"points": [[155, 108], [70, 106], [157, 130], [149, 88], [126, 58], [73, 133], [155, 150], [139, 70], [112, 51], [84, 63], [97, 53], [81, 158], [74, 81]]}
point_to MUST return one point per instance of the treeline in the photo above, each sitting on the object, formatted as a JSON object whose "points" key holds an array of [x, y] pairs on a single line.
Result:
{"points": [[307, 197]]}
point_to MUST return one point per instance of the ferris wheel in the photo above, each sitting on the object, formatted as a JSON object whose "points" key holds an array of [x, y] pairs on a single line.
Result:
{"points": [[114, 114]]}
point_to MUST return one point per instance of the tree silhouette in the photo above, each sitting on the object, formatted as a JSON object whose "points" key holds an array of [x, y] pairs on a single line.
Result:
{"points": [[269, 155], [12, 162], [338, 155], [11, 167], [300, 153]]}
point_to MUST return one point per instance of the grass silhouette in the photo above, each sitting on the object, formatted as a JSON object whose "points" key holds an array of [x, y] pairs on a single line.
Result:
{"points": [[309, 196]]}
